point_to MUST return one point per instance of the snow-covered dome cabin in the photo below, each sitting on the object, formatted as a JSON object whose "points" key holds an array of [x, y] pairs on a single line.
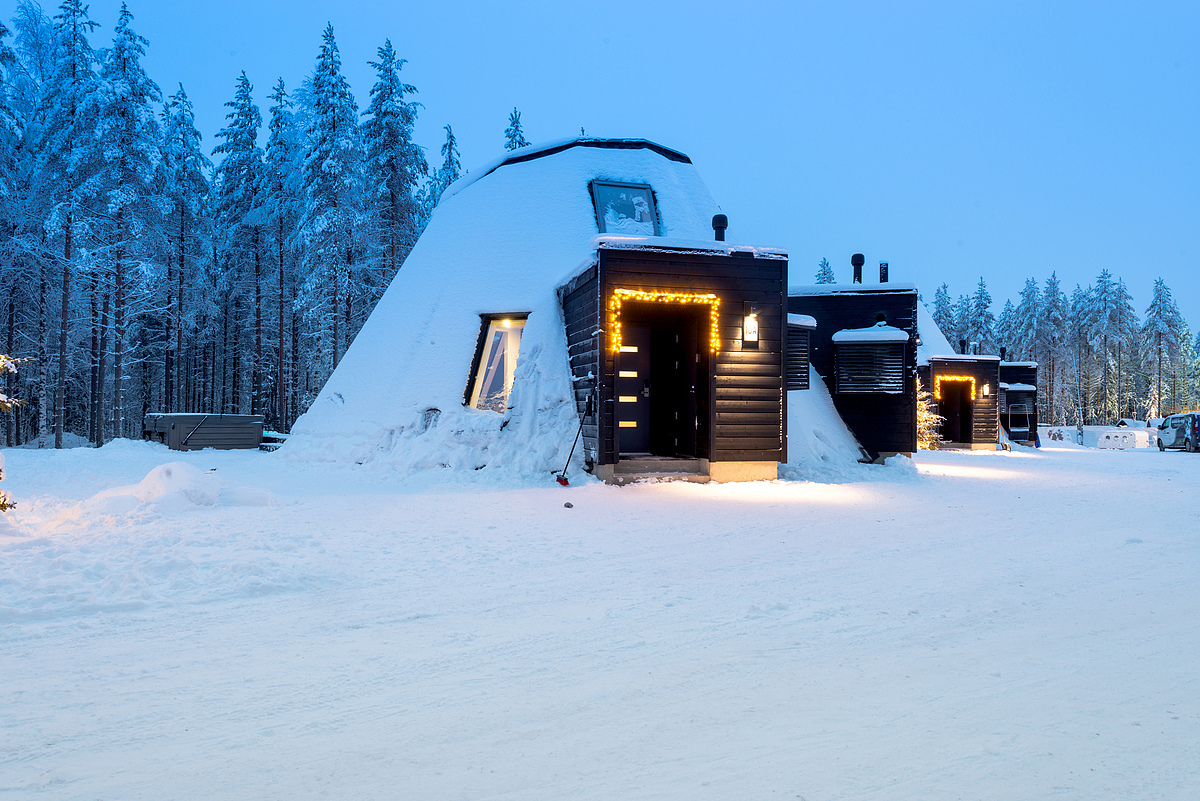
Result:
{"points": [[580, 270]]}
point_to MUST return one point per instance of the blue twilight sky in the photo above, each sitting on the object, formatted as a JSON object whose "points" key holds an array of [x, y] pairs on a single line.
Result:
{"points": [[953, 140]]}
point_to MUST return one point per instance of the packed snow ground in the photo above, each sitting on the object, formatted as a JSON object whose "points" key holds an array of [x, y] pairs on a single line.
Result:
{"points": [[982, 625]]}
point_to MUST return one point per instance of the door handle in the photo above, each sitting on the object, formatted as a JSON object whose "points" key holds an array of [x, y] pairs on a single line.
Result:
{"points": [[646, 388]]}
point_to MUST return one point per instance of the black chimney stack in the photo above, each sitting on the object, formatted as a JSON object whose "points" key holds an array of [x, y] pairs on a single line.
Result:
{"points": [[857, 262], [962, 346], [720, 223], [1003, 353], [883, 272]]}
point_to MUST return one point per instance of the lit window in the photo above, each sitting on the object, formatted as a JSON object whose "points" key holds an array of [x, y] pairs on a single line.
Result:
{"points": [[495, 362]]}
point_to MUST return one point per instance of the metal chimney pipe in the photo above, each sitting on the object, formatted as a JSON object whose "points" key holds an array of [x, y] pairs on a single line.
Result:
{"points": [[857, 261], [962, 346], [720, 222], [883, 271], [1003, 353]]}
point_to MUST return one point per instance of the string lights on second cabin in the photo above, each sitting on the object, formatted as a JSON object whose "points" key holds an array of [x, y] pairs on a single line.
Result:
{"points": [[621, 295], [937, 383]]}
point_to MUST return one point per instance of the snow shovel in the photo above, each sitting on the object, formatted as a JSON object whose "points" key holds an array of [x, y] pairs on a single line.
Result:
{"points": [[561, 478]]}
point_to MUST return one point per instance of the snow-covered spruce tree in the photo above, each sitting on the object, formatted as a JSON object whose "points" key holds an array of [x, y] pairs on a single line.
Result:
{"points": [[66, 158], [283, 203], [929, 423], [133, 207], [334, 194], [239, 220], [1007, 329], [186, 189], [825, 273], [450, 171], [1125, 326], [981, 327], [943, 312], [1050, 337], [1160, 341], [1101, 322], [1079, 343], [514, 137], [395, 166], [962, 322], [1023, 339]]}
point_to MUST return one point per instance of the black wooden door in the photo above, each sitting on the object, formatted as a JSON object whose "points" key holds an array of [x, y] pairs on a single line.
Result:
{"points": [[634, 390]]}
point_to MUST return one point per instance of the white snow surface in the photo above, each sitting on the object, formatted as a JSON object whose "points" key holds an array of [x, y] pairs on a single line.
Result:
{"points": [[983, 625], [500, 244]]}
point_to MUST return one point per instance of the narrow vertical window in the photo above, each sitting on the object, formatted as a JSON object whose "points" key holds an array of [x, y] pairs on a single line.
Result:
{"points": [[495, 362]]}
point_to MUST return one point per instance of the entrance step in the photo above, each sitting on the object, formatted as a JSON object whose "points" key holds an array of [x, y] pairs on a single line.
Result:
{"points": [[667, 468]]}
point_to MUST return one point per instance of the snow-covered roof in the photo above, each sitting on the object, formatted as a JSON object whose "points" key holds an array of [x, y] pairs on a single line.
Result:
{"points": [[1022, 388], [501, 242], [1018, 364], [802, 320], [880, 332], [848, 289], [964, 357], [931, 341]]}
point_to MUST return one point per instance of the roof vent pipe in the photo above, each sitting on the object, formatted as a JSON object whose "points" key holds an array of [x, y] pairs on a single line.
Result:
{"points": [[857, 262], [962, 346], [720, 223], [883, 270], [1003, 353]]}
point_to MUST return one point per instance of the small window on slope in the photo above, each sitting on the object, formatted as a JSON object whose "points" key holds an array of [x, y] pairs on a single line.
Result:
{"points": [[495, 361], [625, 208]]}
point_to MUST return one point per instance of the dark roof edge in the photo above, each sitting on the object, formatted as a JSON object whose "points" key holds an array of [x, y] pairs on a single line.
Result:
{"points": [[529, 154]]}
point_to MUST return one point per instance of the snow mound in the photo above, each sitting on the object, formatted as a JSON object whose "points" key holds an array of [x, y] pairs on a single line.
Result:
{"points": [[172, 488], [822, 449]]}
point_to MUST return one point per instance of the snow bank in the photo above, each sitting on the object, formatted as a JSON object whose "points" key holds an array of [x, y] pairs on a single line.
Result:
{"points": [[822, 449]]}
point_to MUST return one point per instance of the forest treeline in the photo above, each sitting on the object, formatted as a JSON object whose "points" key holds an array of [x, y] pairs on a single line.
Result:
{"points": [[1099, 361], [144, 271]]}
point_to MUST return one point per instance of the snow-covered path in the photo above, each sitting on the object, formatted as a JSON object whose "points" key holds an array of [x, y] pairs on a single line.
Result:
{"points": [[996, 626]]}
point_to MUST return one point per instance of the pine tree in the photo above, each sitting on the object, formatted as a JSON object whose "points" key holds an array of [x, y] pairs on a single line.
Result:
{"points": [[1023, 339], [187, 192], [1008, 330], [239, 213], [126, 178], [66, 160], [282, 198], [1160, 339], [333, 185], [981, 323], [395, 163], [1125, 330], [1051, 336], [943, 312], [929, 422], [962, 324], [514, 137], [825, 273], [450, 171]]}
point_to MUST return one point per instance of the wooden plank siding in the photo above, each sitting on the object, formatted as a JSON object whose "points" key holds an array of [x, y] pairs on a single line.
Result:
{"points": [[580, 300], [884, 422], [742, 415]]}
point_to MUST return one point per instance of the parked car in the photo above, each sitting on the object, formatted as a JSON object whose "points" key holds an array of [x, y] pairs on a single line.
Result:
{"points": [[1179, 431]]}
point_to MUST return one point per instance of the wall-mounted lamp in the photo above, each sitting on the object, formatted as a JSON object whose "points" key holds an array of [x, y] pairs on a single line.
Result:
{"points": [[987, 390], [750, 324]]}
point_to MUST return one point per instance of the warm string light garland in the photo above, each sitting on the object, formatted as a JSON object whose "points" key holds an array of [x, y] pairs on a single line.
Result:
{"points": [[937, 384], [621, 295]]}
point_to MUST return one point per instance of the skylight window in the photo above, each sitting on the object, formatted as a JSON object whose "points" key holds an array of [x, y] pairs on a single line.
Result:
{"points": [[495, 362], [625, 208]]}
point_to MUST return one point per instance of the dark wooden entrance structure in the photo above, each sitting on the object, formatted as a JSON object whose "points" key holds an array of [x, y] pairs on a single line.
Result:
{"points": [[659, 335]]}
